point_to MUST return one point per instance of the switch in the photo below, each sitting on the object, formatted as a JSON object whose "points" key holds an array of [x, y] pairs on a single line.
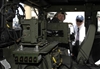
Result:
{"points": [[21, 59], [26, 59], [30, 59]]}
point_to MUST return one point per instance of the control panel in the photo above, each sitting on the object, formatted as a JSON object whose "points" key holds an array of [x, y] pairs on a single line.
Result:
{"points": [[27, 55]]}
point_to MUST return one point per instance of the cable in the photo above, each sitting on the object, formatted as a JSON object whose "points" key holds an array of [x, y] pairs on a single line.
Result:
{"points": [[35, 12], [71, 61], [3, 8], [9, 38], [10, 35], [11, 5]]}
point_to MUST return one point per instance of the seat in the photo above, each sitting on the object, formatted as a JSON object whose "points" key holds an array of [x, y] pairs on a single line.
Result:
{"points": [[85, 48]]}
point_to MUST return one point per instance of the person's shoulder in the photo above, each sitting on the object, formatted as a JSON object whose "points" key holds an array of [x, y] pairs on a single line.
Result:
{"points": [[75, 26], [54, 20]]}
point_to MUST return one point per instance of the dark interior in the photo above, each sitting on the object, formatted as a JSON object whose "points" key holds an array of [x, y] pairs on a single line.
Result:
{"points": [[60, 2], [46, 3]]}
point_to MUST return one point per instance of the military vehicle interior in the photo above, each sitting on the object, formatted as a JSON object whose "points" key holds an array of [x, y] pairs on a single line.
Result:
{"points": [[39, 44]]}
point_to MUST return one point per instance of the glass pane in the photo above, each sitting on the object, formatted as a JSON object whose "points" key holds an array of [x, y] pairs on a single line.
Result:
{"points": [[98, 21]]}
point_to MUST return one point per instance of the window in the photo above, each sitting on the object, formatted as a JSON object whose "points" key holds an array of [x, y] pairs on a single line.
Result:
{"points": [[98, 21], [71, 16]]}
